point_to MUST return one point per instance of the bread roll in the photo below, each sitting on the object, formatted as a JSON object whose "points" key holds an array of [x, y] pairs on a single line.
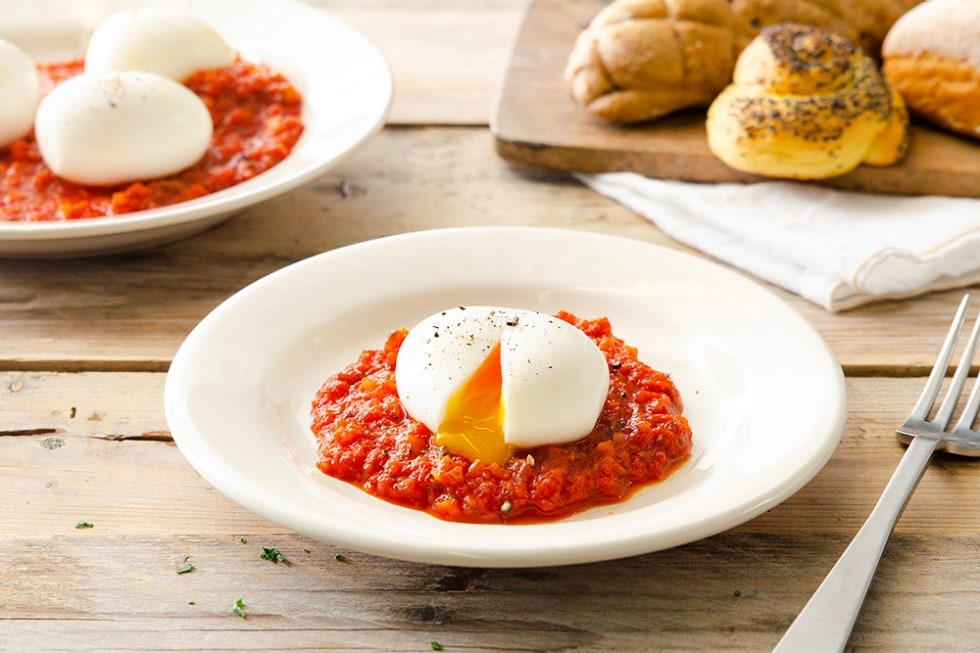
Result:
{"points": [[932, 56], [806, 103], [641, 59]]}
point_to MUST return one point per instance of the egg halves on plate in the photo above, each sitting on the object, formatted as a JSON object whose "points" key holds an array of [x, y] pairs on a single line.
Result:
{"points": [[489, 380]]}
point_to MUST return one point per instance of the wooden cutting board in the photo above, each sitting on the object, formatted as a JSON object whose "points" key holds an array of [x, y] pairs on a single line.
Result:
{"points": [[536, 124]]}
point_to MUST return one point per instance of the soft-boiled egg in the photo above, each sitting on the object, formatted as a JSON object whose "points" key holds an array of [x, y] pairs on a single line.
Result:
{"points": [[490, 380], [111, 128], [162, 41], [19, 90]]}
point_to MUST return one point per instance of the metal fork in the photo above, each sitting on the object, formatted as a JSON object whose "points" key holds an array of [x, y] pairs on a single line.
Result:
{"points": [[826, 621]]}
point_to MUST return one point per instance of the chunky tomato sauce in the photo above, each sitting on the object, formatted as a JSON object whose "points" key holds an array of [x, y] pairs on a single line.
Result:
{"points": [[366, 438], [256, 114]]}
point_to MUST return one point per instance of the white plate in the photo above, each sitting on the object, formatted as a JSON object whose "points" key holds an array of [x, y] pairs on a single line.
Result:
{"points": [[764, 395], [345, 82]]}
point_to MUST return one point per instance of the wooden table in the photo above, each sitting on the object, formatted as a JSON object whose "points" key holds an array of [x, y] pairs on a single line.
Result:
{"points": [[84, 350]]}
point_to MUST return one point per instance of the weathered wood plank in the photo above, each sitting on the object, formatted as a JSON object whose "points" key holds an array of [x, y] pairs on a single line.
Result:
{"points": [[135, 309], [731, 592], [95, 447], [79, 445], [447, 67], [132, 311]]}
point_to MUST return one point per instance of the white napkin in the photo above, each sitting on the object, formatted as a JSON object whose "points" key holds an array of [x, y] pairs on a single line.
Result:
{"points": [[837, 249]]}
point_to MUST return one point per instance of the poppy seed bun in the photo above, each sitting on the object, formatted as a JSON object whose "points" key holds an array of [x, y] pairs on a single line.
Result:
{"points": [[641, 59], [932, 56], [806, 103]]}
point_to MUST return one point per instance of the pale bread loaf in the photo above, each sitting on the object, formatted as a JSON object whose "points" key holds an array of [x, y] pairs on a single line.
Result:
{"points": [[932, 56], [641, 59]]}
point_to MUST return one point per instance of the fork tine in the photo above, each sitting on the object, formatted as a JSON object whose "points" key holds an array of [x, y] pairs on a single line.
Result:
{"points": [[931, 389], [970, 411], [959, 379], [972, 406]]}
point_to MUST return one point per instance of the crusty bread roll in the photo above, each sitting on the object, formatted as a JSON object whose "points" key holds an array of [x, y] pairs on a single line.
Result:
{"points": [[641, 59], [932, 56], [806, 103]]}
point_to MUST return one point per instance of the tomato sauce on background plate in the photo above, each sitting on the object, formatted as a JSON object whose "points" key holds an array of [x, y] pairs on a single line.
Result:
{"points": [[257, 121]]}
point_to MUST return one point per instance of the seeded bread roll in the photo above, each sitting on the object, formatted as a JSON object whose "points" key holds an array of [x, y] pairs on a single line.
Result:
{"points": [[806, 103], [932, 56], [641, 59]]}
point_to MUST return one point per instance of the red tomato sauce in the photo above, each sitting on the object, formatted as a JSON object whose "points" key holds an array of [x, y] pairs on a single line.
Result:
{"points": [[256, 114], [366, 438]]}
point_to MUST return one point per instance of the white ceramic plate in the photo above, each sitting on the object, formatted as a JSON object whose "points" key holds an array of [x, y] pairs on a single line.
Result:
{"points": [[345, 82], [764, 395]]}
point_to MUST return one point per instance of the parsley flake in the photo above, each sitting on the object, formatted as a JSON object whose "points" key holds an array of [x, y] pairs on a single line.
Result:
{"points": [[435, 646], [185, 568], [239, 608], [271, 553], [84, 524]]}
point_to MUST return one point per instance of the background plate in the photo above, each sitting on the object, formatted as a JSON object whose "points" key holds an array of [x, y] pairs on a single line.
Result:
{"points": [[764, 395], [345, 82]]}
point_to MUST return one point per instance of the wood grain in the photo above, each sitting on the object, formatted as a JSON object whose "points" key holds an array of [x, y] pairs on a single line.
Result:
{"points": [[130, 312], [728, 593], [84, 348], [96, 446], [93, 456], [431, 88], [536, 123]]}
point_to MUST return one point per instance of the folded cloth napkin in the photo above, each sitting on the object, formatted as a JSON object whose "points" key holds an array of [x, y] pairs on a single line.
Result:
{"points": [[837, 249]]}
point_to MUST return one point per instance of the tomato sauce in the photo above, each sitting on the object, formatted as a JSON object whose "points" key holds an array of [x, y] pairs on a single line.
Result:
{"points": [[257, 121], [365, 438]]}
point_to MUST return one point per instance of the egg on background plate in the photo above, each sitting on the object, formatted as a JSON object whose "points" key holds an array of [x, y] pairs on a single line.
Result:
{"points": [[19, 93], [161, 41], [490, 380], [110, 128]]}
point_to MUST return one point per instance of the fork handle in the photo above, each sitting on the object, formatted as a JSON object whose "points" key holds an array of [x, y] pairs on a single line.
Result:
{"points": [[826, 621]]}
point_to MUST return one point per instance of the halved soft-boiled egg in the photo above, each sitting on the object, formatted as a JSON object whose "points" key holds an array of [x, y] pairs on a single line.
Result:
{"points": [[111, 128], [19, 93], [162, 41], [490, 380]]}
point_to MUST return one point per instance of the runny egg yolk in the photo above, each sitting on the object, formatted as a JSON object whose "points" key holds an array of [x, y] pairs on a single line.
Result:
{"points": [[473, 425]]}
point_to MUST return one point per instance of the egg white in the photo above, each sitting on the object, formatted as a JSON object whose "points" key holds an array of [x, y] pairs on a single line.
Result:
{"points": [[169, 43], [554, 379], [112, 128], [19, 93]]}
